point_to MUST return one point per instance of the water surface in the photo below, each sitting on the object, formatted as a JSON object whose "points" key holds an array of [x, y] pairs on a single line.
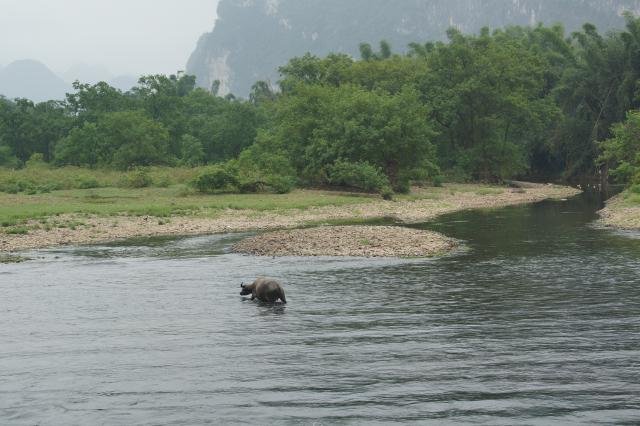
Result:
{"points": [[536, 322]]}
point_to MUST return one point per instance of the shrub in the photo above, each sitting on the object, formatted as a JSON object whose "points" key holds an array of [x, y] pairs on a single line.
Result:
{"points": [[18, 230], [281, 184], [36, 161], [138, 178], [402, 186], [360, 175], [387, 194], [86, 182], [217, 178], [16, 185], [438, 181], [162, 182]]}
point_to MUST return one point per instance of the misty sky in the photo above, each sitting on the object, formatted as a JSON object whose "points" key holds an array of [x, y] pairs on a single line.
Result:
{"points": [[127, 36]]}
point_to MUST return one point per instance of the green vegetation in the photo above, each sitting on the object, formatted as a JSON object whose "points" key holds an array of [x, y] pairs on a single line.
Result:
{"points": [[158, 202], [44, 179], [515, 102]]}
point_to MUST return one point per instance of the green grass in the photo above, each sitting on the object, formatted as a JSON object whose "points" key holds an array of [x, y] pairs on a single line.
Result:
{"points": [[168, 196], [18, 230], [159, 202], [631, 198]]}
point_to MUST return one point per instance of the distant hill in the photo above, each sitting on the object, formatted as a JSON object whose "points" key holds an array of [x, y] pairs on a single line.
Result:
{"points": [[92, 74], [32, 80], [252, 38], [87, 73], [124, 82]]}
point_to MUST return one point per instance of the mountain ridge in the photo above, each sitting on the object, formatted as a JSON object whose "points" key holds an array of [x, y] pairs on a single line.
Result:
{"points": [[252, 38], [31, 79], [34, 80]]}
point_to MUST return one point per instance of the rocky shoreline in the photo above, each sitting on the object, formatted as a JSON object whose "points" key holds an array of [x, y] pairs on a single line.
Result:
{"points": [[425, 206], [356, 241], [618, 215]]}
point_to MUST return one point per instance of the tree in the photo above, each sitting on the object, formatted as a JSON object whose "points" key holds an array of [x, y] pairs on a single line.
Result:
{"points": [[261, 92], [89, 102], [319, 125], [33, 128], [486, 94], [192, 151], [122, 140], [622, 150]]}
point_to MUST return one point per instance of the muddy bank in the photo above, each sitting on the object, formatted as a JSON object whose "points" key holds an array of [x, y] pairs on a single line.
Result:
{"points": [[360, 241], [619, 214], [427, 204]]}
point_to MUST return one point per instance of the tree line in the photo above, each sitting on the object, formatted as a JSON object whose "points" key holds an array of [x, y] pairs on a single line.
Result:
{"points": [[513, 102]]}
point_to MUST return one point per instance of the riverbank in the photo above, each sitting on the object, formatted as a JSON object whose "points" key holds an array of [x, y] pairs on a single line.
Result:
{"points": [[622, 212], [74, 218]]}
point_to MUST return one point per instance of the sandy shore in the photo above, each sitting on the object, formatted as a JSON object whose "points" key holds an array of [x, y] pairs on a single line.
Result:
{"points": [[93, 229], [361, 241], [618, 214]]}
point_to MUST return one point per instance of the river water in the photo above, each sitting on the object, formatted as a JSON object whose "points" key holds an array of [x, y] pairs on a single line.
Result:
{"points": [[537, 321]]}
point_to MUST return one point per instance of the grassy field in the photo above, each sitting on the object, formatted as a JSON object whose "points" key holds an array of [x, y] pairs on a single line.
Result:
{"points": [[40, 192], [160, 202]]}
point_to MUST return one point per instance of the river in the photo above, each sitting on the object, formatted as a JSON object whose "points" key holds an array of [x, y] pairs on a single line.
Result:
{"points": [[536, 321]]}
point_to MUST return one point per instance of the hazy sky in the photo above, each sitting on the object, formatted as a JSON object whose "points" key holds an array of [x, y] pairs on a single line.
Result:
{"points": [[127, 36]]}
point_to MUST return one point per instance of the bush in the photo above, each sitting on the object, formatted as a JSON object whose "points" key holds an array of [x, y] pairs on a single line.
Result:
{"points": [[438, 181], [15, 186], [387, 194], [36, 160], [281, 184], [218, 178], [86, 182], [136, 179], [402, 187], [18, 230], [635, 189], [361, 175]]}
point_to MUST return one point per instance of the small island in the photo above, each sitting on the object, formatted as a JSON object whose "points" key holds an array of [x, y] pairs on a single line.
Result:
{"points": [[356, 241]]}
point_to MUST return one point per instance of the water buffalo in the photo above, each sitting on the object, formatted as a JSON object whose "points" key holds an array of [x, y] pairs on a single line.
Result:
{"points": [[265, 290]]}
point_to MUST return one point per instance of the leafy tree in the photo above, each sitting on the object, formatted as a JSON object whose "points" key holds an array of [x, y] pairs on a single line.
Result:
{"points": [[81, 147], [367, 53], [310, 69], [622, 151], [120, 139], [261, 92], [163, 98], [319, 125], [89, 102], [486, 95], [34, 128], [192, 151]]}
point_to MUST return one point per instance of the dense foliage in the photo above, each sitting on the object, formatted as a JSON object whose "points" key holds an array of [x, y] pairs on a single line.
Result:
{"points": [[515, 102]]}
